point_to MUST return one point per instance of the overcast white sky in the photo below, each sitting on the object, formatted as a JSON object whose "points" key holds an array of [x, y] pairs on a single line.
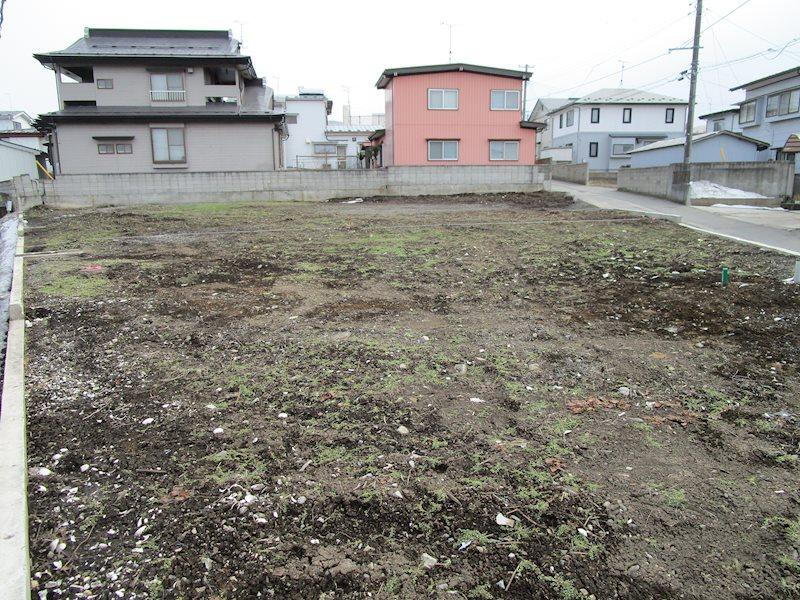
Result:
{"points": [[574, 47]]}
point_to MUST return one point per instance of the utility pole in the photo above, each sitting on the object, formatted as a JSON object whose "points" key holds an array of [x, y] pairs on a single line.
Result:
{"points": [[524, 94], [687, 146]]}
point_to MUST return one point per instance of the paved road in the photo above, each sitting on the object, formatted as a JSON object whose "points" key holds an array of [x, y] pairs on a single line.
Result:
{"points": [[776, 237]]}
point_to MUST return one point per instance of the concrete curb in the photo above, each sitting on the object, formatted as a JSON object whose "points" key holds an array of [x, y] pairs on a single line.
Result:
{"points": [[15, 563], [742, 240]]}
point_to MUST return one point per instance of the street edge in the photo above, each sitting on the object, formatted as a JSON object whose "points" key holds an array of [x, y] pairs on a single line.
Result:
{"points": [[742, 240]]}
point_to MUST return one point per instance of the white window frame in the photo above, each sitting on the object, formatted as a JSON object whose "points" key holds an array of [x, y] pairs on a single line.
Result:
{"points": [[169, 146], [330, 144], [570, 117], [443, 142], [744, 108], [514, 93], [127, 148], [615, 153], [669, 115], [111, 148], [442, 90], [595, 111], [506, 143], [108, 84], [594, 146], [629, 112]]}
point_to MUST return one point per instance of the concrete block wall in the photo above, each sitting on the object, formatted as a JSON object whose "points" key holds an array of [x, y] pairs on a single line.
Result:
{"points": [[129, 189], [573, 172], [773, 179], [653, 181]]}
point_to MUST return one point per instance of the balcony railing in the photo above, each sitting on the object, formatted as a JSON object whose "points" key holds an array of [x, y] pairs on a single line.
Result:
{"points": [[167, 95]]}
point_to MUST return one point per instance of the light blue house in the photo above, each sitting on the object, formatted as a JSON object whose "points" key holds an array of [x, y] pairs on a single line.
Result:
{"points": [[602, 128], [771, 112], [712, 147]]}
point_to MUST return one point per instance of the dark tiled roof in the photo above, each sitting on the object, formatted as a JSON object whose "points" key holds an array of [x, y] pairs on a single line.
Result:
{"points": [[138, 113], [387, 75], [156, 42]]}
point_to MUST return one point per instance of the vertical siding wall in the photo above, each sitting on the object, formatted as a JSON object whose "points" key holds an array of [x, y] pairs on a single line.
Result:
{"points": [[209, 147], [69, 191], [473, 124]]}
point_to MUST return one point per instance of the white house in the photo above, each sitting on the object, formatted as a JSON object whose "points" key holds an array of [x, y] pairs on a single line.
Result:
{"points": [[16, 159], [544, 139], [351, 137], [21, 145], [306, 146], [602, 128]]}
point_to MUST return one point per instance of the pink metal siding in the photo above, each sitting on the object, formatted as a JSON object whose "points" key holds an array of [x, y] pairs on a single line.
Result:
{"points": [[410, 124]]}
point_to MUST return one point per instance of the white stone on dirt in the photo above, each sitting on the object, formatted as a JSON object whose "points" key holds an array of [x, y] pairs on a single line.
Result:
{"points": [[428, 561], [504, 521], [397, 494], [283, 415], [148, 420], [219, 431], [40, 472], [477, 400], [140, 532], [403, 430], [460, 368], [583, 532], [625, 391], [84, 468]]}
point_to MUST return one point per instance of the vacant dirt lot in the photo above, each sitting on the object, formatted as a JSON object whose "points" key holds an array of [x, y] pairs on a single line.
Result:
{"points": [[486, 397]]}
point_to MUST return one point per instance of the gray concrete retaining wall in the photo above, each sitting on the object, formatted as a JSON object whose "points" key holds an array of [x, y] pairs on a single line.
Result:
{"points": [[772, 179], [75, 191], [15, 565], [573, 172]]}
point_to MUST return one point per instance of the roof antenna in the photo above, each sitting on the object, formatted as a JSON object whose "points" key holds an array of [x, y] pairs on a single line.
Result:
{"points": [[450, 40], [241, 34], [621, 73]]}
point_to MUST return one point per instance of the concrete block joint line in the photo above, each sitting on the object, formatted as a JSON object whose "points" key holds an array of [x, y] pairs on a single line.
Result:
{"points": [[15, 565]]}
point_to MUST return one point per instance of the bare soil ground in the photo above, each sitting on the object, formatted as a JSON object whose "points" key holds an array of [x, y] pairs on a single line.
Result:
{"points": [[496, 397]]}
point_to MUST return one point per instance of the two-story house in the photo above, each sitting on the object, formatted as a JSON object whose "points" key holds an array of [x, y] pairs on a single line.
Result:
{"points": [[602, 128], [770, 111], [305, 146], [137, 101], [456, 114]]}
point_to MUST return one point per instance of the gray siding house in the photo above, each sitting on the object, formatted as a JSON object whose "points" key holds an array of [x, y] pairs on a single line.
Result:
{"points": [[712, 147], [722, 120], [771, 112], [602, 128], [139, 101]]}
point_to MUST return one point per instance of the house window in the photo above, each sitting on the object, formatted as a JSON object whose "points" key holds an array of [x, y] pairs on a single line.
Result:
{"points": [[105, 84], [212, 100], [747, 112], [595, 115], [561, 121], [442, 149], [784, 103], [324, 148], [620, 149], [626, 115], [442, 99], [593, 149], [670, 116], [124, 148], [717, 125], [503, 150], [167, 87], [168, 145], [504, 100], [17, 125], [570, 118], [105, 148]]}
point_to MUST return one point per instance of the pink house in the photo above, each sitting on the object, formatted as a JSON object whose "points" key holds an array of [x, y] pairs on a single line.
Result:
{"points": [[456, 114]]}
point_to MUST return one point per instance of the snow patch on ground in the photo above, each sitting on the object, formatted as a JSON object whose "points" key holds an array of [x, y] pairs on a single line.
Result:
{"points": [[747, 206], [707, 189]]}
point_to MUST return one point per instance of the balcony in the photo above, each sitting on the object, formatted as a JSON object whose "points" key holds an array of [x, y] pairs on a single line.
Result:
{"points": [[168, 95]]}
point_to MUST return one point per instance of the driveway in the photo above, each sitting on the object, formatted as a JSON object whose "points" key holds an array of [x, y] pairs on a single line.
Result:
{"points": [[779, 230]]}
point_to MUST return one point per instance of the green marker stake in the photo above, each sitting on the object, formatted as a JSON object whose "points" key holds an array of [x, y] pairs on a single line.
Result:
{"points": [[725, 277]]}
